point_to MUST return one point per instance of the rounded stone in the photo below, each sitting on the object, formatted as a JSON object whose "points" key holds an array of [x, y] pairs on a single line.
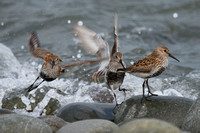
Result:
{"points": [[167, 108], [7, 60], [89, 126], [6, 111], [147, 126], [82, 111], [192, 119], [54, 122], [14, 123]]}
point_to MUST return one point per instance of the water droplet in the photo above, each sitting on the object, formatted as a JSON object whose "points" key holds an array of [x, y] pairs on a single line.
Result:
{"points": [[15, 106], [175, 15], [132, 62], [69, 21], [41, 90], [32, 100], [2, 23], [78, 55], [33, 63], [80, 23], [22, 47]]}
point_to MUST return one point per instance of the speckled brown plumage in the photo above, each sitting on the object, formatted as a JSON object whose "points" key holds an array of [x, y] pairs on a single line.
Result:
{"points": [[150, 66]]}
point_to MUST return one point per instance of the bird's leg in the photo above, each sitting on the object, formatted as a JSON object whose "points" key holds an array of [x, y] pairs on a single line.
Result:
{"points": [[31, 86], [124, 90], [144, 97], [116, 104], [39, 84], [149, 91]]}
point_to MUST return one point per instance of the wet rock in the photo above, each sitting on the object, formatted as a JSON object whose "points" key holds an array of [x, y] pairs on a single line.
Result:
{"points": [[192, 119], [89, 126], [12, 100], [147, 126], [54, 122], [103, 96], [81, 111], [19, 99], [7, 60], [52, 105], [14, 123], [6, 111], [167, 108]]}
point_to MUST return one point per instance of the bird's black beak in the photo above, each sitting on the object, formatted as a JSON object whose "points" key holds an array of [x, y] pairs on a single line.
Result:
{"points": [[53, 64], [173, 57], [121, 63]]}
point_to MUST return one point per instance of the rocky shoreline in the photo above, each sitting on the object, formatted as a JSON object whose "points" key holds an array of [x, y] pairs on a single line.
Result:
{"points": [[164, 114]]}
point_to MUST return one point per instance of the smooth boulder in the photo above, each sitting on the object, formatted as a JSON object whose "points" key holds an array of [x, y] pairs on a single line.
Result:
{"points": [[9, 63], [147, 126], [192, 119], [6, 111], [82, 111], [15, 123], [89, 126], [54, 122], [167, 108]]}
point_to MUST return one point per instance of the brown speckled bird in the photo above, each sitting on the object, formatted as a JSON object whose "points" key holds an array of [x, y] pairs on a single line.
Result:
{"points": [[150, 66], [95, 44], [50, 69]]}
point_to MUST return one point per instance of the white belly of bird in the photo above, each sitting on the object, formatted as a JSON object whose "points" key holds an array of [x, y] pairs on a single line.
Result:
{"points": [[115, 86]]}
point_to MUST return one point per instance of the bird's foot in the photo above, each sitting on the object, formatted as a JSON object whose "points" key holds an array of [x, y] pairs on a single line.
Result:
{"points": [[151, 94], [145, 98], [123, 89], [115, 108]]}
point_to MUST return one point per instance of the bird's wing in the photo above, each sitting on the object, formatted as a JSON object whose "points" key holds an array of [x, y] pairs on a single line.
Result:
{"points": [[144, 65], [94, 44], [116, 41], [34, 47], [87, 62]]}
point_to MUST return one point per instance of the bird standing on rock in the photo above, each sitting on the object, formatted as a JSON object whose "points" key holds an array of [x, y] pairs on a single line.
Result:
{"points": [[50, 69], [150, 66], [95, 44]]}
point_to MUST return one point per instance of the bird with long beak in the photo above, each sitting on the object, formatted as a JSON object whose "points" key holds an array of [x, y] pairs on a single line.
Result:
{"points": [[150, 66], [51, 69], [95, 44]]}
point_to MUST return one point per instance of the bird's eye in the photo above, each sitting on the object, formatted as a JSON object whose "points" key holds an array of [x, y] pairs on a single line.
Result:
{"points": [[165, 50]]}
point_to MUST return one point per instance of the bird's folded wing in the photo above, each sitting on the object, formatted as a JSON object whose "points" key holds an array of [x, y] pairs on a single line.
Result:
{"points": [[144, 65]]}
